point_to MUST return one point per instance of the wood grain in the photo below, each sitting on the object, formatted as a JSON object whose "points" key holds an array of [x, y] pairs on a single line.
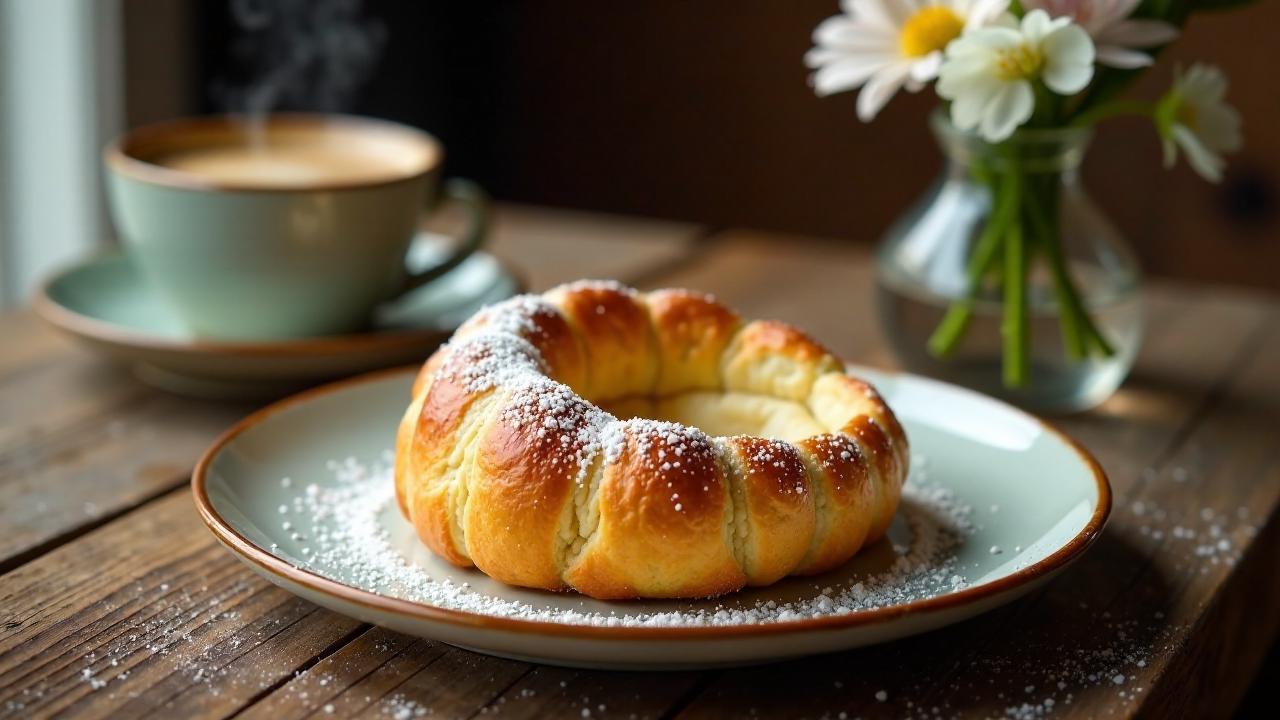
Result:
{"points": [[823, 286], [1189, 443], [148, 615], [548, 247], [82, 441]]}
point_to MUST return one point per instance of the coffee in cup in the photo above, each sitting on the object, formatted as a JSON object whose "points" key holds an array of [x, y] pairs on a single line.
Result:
{"points": [[297, 229]]}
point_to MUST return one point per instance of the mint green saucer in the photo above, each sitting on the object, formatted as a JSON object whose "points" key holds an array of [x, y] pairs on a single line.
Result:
{"points": [[105, 303]]}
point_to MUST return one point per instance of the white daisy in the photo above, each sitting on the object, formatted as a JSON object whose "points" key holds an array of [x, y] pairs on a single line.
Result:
{"points": [[988, 72], [1114, 33], [884, 45], [1194, 116]]}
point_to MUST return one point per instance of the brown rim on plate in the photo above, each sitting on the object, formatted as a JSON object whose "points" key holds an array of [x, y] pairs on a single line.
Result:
{"points": [[127, 154], [252, 553], [80, 325]]}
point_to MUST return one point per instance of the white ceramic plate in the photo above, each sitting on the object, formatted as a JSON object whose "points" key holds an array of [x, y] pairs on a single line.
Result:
{"points": [[1035, 495], [105, 303]]}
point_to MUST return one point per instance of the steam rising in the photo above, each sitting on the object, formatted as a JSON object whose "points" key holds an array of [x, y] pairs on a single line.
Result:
{"points": [[300, 55]]}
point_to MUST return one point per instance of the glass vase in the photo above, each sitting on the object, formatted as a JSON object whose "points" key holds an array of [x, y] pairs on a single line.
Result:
{"points": [[1008, 279]]}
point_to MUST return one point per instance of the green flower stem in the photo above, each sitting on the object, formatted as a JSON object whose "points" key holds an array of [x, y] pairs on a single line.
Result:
{"points": [[1043, 229], [1080, 334], [1014, 325], [947, 336]]}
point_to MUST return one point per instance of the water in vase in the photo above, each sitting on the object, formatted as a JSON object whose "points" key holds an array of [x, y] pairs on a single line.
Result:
{"points": [[911, 312]]}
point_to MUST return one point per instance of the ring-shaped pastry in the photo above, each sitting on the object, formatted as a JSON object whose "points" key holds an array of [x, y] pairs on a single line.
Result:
{"points": [[643, 445]]}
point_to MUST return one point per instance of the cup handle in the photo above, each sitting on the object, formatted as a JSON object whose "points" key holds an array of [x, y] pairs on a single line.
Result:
{"points": [[476, 201]]}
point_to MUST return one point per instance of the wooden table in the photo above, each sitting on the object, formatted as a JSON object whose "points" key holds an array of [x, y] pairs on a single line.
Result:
{"points": [[116, 602]]}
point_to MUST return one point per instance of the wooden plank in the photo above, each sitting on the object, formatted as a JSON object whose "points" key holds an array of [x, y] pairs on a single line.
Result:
{"points": [[562, 692], [550, 246], [148, 616], [1224, 611], [824, 286], [82, 441], [383, 673], [25, 342]]}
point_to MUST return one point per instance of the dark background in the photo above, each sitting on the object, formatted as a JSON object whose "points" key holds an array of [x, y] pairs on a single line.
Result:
{"points": [[701, 111]]}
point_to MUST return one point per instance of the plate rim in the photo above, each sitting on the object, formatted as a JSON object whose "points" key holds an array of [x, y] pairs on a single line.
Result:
{"points": [[248, 551], [79, 325]]}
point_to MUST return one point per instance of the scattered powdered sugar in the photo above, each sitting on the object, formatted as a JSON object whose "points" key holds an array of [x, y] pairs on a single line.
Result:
{"points": [[1205, 543], [345, 534], [399, 707]]}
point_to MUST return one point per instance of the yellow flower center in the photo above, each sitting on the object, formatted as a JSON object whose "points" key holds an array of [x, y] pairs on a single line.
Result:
{"points": [[930, 29], [1018, 63]]}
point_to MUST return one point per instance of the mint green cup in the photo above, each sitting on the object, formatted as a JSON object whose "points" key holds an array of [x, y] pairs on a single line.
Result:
{"points": [[244, 254]]}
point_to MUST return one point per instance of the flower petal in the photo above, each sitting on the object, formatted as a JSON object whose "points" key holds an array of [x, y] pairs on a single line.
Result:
{"points": [[926, 68], [846, 74], [1069, 58], [842, 34], [880, 89], [1203, 160], [1137, 33], [1218, 127], [1037, 25], [984, 41], [874, 12], [1010, 107], [1119, 9], [985, 12], [969, 105], [1203, 84], [1123, 58]]}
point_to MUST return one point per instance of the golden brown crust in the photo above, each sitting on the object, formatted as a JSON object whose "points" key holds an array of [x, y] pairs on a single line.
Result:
{"points": [[442, 412], [501, 462], [663, 507], [691, 331], [846, 500], [405, 432], [526, 473], [869, 435], [772, 358], [423, 379], [613, 325], [777, 511]]}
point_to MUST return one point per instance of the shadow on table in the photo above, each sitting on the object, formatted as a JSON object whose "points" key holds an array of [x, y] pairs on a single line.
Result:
{"points": [[1062, 644]]}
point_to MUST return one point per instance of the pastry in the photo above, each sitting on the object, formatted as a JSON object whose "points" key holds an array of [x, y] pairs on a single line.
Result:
{"points": [[632, 445]]}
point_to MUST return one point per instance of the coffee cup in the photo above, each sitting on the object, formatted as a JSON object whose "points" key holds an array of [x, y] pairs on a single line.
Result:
{"points": [[293, 226]]}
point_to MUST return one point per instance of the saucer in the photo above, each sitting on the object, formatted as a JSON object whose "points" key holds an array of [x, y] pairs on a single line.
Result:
{"points": [[105, 303]]}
